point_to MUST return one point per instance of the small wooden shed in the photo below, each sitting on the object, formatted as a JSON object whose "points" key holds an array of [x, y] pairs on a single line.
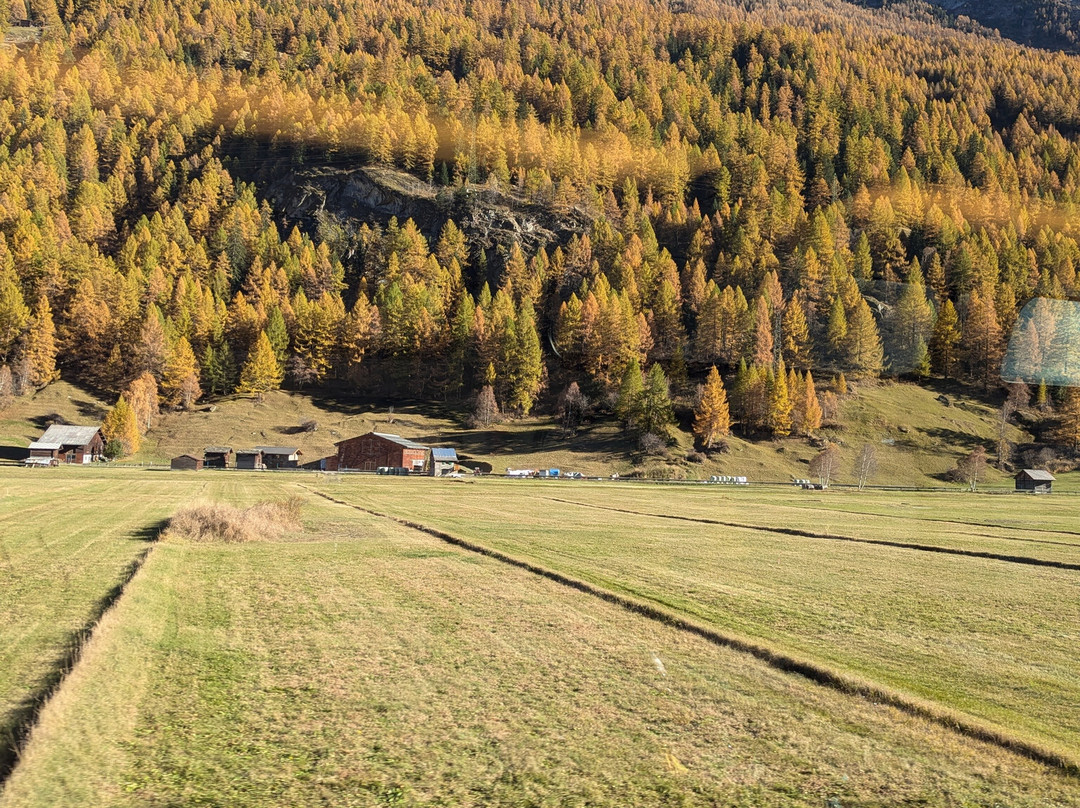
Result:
{"points": [[443, 461], [217, 457], [186, 462], [280, 457], [249, 459], [1035, 480]]}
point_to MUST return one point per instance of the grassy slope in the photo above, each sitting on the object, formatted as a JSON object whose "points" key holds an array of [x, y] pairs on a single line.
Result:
{"points": [[986, 637], [917, 437], [364, 664]]}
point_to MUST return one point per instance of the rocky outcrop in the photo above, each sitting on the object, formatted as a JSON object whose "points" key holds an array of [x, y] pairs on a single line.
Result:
{"points": [[491, 219]]}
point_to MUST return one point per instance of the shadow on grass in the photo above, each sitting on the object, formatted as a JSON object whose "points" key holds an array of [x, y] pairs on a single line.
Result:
{"points": [[954, 437], [588, 440], [89, 409], [18, 724], [14, 453]]}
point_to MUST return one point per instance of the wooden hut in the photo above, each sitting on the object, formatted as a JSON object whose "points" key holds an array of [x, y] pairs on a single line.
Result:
{"points": [[186, 462], [1035, 480], [443, 461], [249, 459], [217, 457], [280, 457]]}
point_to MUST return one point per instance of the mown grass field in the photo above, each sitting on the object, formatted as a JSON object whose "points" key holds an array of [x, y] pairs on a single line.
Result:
{"points": [[991, 638], [68, 538], [360, 662]]}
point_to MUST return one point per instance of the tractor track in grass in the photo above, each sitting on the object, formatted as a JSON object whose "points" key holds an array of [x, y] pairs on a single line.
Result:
{"points": [[809, 534], [15, 735], [956, 523], [838, 680]]}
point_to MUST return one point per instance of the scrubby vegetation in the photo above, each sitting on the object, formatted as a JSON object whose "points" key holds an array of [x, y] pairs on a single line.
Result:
{"points": [[219, 521]]}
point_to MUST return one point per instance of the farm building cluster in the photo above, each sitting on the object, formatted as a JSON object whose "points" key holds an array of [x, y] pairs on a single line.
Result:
{"points": [[380, 452]]}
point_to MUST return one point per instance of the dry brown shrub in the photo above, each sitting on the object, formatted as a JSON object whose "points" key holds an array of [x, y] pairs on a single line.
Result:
{"points": [[217, 521]]}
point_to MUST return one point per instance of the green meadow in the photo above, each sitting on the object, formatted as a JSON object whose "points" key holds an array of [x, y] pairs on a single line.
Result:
{"points": [[359, 661]]}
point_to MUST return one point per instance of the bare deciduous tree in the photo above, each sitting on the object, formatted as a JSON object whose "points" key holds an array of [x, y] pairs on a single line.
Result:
{"points": [[487, 409], [866, 464], [971, 468], [825, 463]]}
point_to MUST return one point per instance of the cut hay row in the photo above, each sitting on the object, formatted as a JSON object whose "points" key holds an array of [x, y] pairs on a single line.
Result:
{"points": [[953, 720], [217, 521], [809, 534]]}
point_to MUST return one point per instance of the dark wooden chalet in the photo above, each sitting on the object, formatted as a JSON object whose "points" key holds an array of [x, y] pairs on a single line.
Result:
{"points": [[65, 443], [377, 449], [280, 457], [249, 459], [186, 462], [217, 457], [1034, 480]]}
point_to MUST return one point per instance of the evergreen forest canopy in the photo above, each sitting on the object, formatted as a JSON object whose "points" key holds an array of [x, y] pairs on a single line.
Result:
{"points": [[808, 187]]}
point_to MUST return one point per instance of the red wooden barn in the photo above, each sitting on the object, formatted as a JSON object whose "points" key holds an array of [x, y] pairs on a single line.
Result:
{"points": [[375, 449]]}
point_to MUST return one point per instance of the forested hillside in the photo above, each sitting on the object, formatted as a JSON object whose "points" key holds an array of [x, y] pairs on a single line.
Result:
{"points": [[786, 191], [1053, 24]]}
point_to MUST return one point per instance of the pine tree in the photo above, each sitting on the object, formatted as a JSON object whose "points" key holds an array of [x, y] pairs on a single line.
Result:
{"points": [[120, 425], [40, 348], [142, 397], [261, 372], [153, 346], [982, 338], [14, 314], [763, 333], [863, 352], [837, 329], [810, 411], [277, 333], [525, 367], [7, 388], [910, 324], [628, 406], [657, 414], [779, 403], [945, 339], [180, 380], [712, 421], [1068, 429], [486, 411], [795, 334]]}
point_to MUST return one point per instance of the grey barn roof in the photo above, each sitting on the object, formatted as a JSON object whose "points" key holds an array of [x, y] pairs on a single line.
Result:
{"points": [[279, 450], [1039, 475], [445, 455], [68, 435], [217, 449]]}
